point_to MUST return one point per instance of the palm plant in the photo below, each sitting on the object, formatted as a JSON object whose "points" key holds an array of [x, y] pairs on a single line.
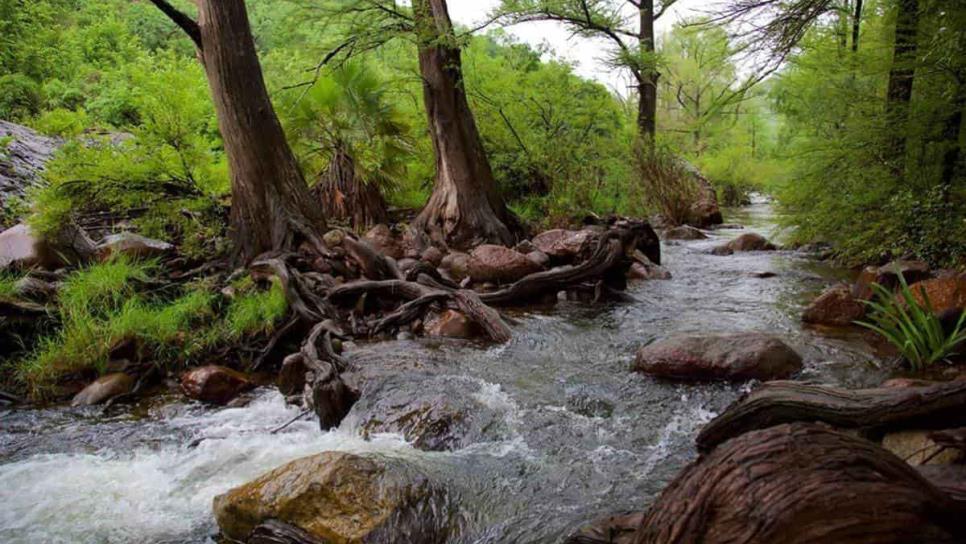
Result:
{"points": [[912, 326]]}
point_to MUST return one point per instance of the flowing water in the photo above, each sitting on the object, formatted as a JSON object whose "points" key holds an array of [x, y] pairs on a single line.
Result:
{"points": [[574, 434]]}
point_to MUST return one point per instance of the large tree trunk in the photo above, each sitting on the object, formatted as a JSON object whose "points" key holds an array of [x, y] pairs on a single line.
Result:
{"points": [[465, 208], [901, 78], [344, 195], [271, 206], [647, 76]]}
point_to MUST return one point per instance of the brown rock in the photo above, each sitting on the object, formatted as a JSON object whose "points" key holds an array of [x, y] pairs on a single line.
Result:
{"points": [[564, 245], [736, 356], [945, 294], [382, 239], [540, 258], [451, 324], [457, 264], [750, 241], [131, 245], [214, 384], [103, 389], [916, 448], [291, 376], [835, 306], [888, 277], [333, 238], [432, 256], [341, 498], [499, 264], [684, 232], [640, 271], [21, 248]]}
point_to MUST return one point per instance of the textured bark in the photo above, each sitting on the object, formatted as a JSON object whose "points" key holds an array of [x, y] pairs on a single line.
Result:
{"points": [[465, 208], [902, 76], [647, 78], [345, 196], [801, 484], [271, 205], [940, 406]]}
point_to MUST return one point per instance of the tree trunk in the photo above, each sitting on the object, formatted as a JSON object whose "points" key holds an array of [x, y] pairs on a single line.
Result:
{"points": [[647, 76], [901, 78], [344, 195], [271, 205], [465, 208], [879, 410], [801, 483], [856, 25]]}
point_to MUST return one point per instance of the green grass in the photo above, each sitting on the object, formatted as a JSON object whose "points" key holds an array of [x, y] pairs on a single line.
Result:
{"points": [[913, 327], [103, 306], [8, 286]]}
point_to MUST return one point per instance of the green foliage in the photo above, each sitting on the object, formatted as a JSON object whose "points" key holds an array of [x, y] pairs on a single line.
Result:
{"points": [[19, 97], [913, 327], [62, 122], [255, 311], [8, 286], [665, 182]]}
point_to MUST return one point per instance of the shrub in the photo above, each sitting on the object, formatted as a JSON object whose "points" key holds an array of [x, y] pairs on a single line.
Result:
{"points": [[19, 97], [912, 327], [62, 122], [666, 183]]}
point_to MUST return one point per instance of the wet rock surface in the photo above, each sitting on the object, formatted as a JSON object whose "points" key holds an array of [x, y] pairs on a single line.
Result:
{"points": [[684, 232], [698, 357], [836, 307], [342, 498], [564, 245], [214, 384], [746, 242], [103, 389], [492, 263]]}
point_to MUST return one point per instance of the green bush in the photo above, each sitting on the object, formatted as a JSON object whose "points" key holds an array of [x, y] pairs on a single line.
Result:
{"points": [[913, 327], [665, 182], [62, 122], [20, 97]]}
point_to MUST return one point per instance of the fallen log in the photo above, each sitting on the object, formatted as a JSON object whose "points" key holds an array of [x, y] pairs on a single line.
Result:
{"points": [[801, 484], [872, 411]]}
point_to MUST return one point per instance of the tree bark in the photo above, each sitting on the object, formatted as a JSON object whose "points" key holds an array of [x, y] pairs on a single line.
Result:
{"points": [[801, 483], [856, 25], [272, 209], [345, 196], [901, 78], [647, 76], [465, 208], [939, 406]]}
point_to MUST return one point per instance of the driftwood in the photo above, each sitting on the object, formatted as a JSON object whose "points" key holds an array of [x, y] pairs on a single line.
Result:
{"points": [[950, 479], [872, 411], [325, 392], [373, 265], [801, 484]]}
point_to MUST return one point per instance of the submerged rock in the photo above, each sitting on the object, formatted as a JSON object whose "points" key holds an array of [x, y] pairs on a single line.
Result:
{"points": [[750, 241], [342, 498], [104, 389], [650, 271], [452, 324], [737, 356], [131, 245], [499, 264], [214, 384], [835, 306], [684, 232]]}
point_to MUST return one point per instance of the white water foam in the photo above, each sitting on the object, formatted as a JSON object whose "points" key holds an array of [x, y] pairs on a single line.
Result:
{"points": [[161, 495]]}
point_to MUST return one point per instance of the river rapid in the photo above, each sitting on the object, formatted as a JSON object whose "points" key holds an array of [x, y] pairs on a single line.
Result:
{"points": [[574, 434]]}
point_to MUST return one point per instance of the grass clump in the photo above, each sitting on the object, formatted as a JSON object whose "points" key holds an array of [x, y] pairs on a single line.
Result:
{"points": [[8, 286], [913, 327], [665, 182], [255, 311]]}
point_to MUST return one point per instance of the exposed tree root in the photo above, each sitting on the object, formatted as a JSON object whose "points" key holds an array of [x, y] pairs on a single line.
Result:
{"points": [[938, 406]]}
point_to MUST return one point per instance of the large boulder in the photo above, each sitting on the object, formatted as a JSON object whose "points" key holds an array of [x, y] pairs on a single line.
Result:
{"points": [[700, 357], [22, 160], [341, 498], [946, 293], [499, 264], [750, 241], [131, 245], [835, 306], [433, 413], [214, 384], [801, 483], [705, 211], [21, 247], [104, 389], [684, 232], [888, 276], [565, 245]]}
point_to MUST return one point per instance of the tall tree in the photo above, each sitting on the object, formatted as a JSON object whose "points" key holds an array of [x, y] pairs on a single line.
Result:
{"points": [[271, 207], [627, 24], [901, 77], [465, 205]]}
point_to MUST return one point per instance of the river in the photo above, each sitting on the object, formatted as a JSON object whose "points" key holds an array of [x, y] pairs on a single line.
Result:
{"points": [[572, 434]]}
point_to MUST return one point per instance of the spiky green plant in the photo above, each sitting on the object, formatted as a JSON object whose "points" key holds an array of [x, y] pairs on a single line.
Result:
{"points": [[912, 326]]}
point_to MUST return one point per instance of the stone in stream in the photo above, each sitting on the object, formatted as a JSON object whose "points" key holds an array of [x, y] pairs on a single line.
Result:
{"points": [[705, 357], [493, 263], [946, 293], [104, 389], [341, 498], [131, 245], [433, 413], [214, 384], [888, 277], [563, 245], [684, 232], [750, 241], [452, 324], [835, 306], [801, 483]]}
